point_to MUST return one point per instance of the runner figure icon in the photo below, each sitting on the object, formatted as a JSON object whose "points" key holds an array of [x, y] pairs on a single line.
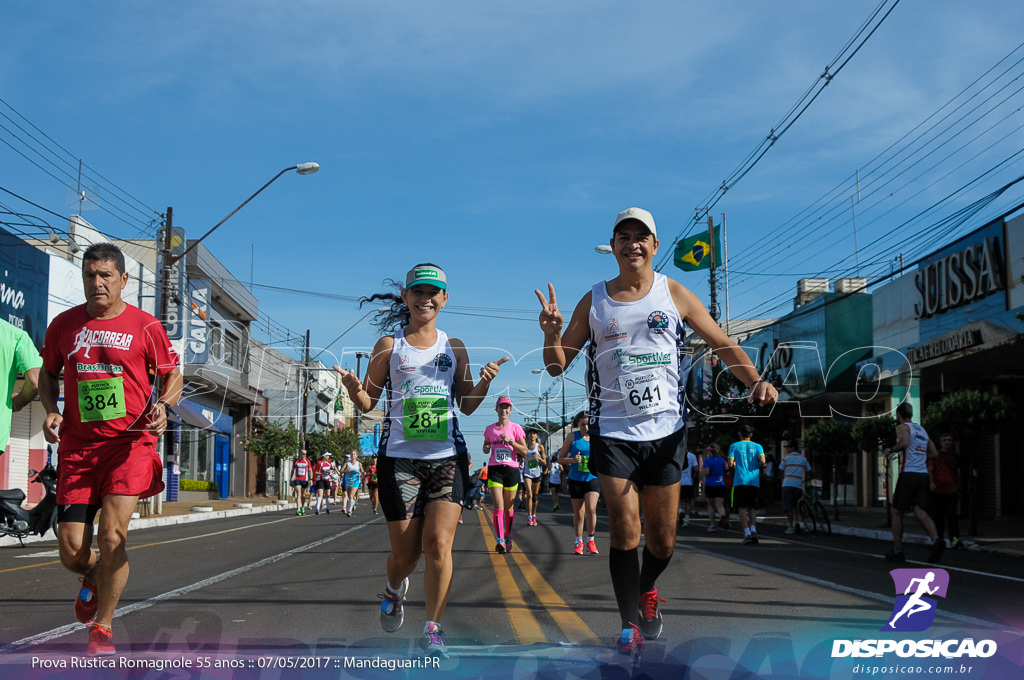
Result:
{"points": [[915, 603]]}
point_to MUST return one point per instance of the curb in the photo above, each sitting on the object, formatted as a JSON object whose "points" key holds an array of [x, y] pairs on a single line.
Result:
{"points": [[164, 520]]}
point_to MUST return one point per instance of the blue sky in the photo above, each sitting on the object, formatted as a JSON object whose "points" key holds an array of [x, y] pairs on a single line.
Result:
{"points": [[499, 140]]}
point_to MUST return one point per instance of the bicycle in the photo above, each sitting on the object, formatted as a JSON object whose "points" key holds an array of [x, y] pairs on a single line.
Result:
{"points": [[812, 512]]}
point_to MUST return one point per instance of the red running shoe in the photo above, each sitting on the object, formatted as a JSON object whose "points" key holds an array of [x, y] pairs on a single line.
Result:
{"points": [[651, 621], [631, 644], [578, 548], [591, 546], [100, 640], [86, 603]]}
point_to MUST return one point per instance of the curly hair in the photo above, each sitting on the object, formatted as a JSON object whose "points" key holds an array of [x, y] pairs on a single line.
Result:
{"points": [[397, 315]]}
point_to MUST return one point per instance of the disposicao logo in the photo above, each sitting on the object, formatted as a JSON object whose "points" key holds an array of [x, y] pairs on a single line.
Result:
{"points": [[913, 611]]}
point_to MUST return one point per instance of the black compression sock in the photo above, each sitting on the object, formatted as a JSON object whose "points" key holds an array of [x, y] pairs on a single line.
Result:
{"points": [[624, 566], [651, 570]]}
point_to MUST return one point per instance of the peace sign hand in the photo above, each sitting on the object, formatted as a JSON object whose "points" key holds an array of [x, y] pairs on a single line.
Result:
{"points": [[551, 319]]}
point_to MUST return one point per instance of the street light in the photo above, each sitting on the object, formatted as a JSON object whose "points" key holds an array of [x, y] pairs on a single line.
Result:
{"points": [[301, 168], [546, 397], [603, 249]]}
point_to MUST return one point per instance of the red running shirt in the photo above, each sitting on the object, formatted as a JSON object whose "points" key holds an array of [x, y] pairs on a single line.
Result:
{"points": [[107, 366]]}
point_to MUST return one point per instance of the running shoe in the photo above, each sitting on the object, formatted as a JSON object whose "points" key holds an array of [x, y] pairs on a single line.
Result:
{"points": [[957, 544], [578, 548], [86, 603], [392, 613], [460, 519], [712, 529], [895, 556], [433, 642], [327, 508], [651, 620], [937, 549], [499, 547], [591, 546], [748, 539], [101, 640], [630, 642], [555, 509], [755, 540], [508, 543], [790, 530]]}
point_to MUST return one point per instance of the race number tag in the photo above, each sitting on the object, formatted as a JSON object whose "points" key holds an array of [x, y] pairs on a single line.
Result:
{"points": [[645, 393], [425, 419], [532, 463], [502, 455], [100, 400]]}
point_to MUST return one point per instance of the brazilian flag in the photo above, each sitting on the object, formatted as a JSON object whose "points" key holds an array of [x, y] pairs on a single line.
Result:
{"points": [[339, 403], [695, 252]]}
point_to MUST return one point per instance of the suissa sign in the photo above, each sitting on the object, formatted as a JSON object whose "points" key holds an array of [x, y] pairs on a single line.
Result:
{"points": [[966, 275]]}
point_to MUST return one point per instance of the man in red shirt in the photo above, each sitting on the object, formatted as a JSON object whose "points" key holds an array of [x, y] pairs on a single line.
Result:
{"points": [[107, 350]]}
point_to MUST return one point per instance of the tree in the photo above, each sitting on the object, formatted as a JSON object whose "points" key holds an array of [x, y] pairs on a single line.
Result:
{"points": [[871, 435], [338, 442], [270, 439], [967, 415], [834, 438]]}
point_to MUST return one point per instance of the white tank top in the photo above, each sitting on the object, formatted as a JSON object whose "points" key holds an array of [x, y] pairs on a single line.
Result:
{"points": [[915, 458], [532, 466], [637, 365], [421, 421]]}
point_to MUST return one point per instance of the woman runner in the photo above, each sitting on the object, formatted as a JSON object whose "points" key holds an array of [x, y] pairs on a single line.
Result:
{"points": [[584, 488], [506, 442], [351, 472], [422, 472], [536, 459]]}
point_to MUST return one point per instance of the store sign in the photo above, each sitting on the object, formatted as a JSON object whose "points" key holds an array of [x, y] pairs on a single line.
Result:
{"points": [[959, 278], [948, 344], [197, 351]]}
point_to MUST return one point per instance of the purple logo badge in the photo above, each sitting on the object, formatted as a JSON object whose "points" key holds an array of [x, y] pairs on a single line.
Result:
{"points": [[915, 605]]}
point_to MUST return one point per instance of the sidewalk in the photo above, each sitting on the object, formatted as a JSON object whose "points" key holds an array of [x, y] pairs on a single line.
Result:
{"points": [[1004, 536]]}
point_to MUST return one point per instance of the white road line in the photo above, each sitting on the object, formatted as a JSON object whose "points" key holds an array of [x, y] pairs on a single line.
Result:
{"points": [[65, 630], [841, 588]]}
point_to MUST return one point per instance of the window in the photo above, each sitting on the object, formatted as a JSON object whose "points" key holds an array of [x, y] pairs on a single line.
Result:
{"points": [[215, 341], [196, 454], [232, 351]]}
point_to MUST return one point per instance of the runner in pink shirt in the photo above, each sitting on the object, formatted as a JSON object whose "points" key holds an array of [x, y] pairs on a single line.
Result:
{"points": [[505, 441]]}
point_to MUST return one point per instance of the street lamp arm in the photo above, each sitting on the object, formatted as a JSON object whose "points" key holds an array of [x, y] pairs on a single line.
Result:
{"points": [[372, 311], [302, 168]]}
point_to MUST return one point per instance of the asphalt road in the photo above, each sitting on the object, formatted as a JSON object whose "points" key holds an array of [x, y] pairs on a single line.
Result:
{"points": [[281, 585]]}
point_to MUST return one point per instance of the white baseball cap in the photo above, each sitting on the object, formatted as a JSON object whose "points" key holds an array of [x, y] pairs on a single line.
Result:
{"points": [[640, 215]]}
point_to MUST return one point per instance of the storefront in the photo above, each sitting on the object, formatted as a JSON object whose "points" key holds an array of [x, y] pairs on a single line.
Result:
{"points": [[952, 323]]}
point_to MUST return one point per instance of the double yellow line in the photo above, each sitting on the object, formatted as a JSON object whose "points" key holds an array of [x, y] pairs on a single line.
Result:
{"points": [[525, 626]]}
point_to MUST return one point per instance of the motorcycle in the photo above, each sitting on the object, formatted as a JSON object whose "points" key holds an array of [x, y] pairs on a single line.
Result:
{"points": [[19, 522]]}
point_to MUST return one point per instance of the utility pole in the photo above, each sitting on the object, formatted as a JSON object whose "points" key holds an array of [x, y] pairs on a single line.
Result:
{"points": [[358, 415], [713, 306], [172, 445], [305, 388]]}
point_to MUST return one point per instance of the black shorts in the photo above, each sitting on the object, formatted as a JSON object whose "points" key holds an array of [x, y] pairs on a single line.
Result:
{"points": [[579, 489], [407, 485], [744, 496], [686, 492], [714, 491], [304, 483], [911, 489], [659, 462], [324, 484], [505, 476]]}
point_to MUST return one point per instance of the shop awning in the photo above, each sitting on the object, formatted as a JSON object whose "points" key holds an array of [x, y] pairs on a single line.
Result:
{"points": [[186, 413]]}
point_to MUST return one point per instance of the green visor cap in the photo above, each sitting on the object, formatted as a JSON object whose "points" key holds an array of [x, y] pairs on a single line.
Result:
{"points": [[426, 274]]}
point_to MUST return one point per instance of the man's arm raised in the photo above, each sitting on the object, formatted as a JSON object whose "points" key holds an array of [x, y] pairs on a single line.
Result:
{"points": [[561, 348]]}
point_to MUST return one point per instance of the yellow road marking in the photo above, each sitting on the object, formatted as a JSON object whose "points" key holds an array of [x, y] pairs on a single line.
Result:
{"points": [[568, 621], [524, 624], [149, 545]]}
